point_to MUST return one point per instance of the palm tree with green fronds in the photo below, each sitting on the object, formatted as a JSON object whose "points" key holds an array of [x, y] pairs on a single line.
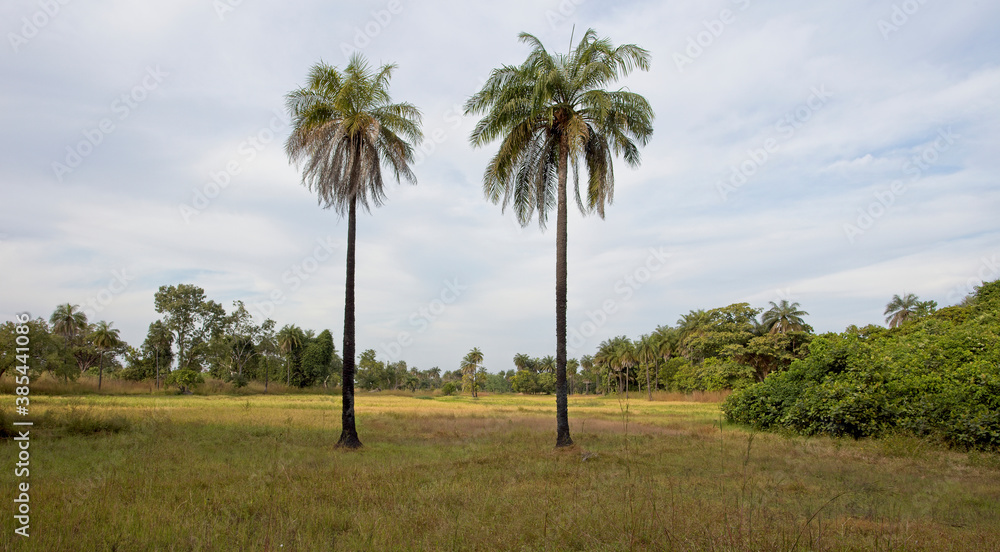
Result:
{"points": [[290, 339], [691, 327], [784, 317], [552, 113], [470, 368], [345, 130], [666, 340], [901, 309], [68, 321], [105, 338], [625, 357], [647, 350]]}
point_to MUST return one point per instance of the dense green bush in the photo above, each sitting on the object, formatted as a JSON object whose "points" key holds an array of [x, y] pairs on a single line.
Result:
{"points": [[185, 380], [713, 374], [937, 377]]}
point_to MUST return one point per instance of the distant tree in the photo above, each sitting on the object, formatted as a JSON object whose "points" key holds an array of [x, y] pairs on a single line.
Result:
{"points": [[268, 354], [925, 308], [666, 340], [241, 337], [372, 373], [46, 351], [317, 360], [433, 377], [290, 341], [546, 365], [105, 339], [345, 128], [770, 352], [552, 113], [691, 327], [572, 369], [624, 358], [192, 318], [159, 340], [69, 322], [784, 317], [470, 366], [708, 333], [588, 373], [901, 309], [185, 380], [646, 352], [525, 381]]}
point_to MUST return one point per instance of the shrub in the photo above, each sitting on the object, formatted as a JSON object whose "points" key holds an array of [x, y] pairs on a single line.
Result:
{"points": [[185, 380], [448, 388], [937, 377]]}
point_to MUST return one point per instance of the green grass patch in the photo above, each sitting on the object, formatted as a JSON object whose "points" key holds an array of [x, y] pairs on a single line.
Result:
{"points": [[454, 473]]}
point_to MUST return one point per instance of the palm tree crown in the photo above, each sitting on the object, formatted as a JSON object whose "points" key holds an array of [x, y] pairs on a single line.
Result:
{"points": [[551, 112], [470, 366], [105, 338], [345, 128], [901, 309], [784, 317], [68, 321], [551, 109]]}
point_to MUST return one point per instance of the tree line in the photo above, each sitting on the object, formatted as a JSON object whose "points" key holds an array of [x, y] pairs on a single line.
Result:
{"points": [[708, 350], [194, 338]]}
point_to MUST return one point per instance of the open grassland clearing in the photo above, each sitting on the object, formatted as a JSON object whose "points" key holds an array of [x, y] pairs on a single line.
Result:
{"points": [[260, 472]]}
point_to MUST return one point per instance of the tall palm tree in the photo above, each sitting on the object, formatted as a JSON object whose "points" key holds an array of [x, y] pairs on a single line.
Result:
{"points": [[105, 339], [345, 129], [901, 309], [290, 339], [603, 360], [550, 113], [521, 361], [470, 367], [623, 358], [572, 368], [784, 317], [646, 351], [68, 321], [665, 339]]}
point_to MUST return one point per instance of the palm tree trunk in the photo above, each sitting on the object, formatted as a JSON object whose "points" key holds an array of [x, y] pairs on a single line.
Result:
{"points": [[349, 434], [562, 416], [100, 372], [156, 354]]}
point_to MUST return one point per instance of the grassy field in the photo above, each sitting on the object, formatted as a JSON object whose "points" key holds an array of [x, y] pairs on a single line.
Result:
{"points": [[260, 473]]}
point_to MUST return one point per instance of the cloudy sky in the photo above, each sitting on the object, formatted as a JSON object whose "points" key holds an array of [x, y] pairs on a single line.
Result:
{"points": [[832, 153]]}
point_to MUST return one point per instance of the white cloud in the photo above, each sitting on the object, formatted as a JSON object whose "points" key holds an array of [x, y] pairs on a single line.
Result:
{"points": [[781, 230]]}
